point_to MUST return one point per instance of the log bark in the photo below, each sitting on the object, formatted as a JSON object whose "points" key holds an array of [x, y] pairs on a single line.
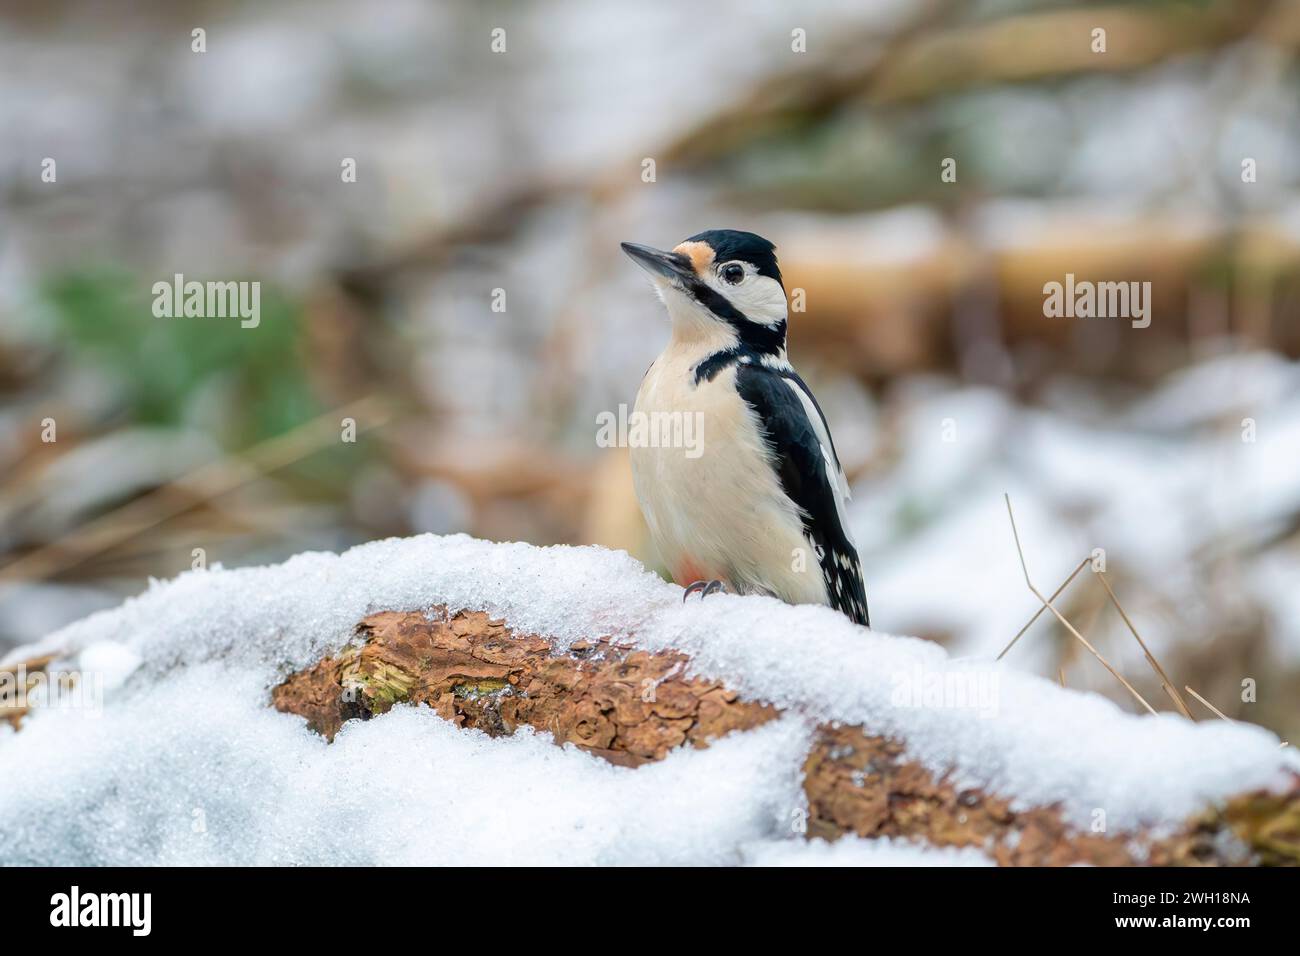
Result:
{"points": [[22, 680], [631, 707]]}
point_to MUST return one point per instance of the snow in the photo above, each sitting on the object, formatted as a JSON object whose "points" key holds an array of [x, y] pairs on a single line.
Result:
{"points": [[231, 782], [1162, 485], [186, 763]]}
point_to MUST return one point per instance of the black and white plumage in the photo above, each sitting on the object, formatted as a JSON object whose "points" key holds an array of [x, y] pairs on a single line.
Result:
{"points": [[761, 506]]}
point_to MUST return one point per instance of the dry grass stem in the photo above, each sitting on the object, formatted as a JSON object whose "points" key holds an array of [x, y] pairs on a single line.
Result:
{"points": [[1207, 703], [1165, 682], [1056, 594], [1060, 617]]}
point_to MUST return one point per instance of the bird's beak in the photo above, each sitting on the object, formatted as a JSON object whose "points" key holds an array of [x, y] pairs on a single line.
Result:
{"points": [[673, 266]]}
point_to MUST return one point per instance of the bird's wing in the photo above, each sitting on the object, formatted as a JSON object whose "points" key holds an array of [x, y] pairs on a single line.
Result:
{"points": [[811, 475]]}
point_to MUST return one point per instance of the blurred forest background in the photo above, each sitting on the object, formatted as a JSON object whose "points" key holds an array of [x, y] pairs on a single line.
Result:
{"points": [[924, 334]]}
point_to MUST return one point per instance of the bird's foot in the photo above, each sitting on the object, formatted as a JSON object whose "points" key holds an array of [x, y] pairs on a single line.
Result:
{"points": [[704, 587]]}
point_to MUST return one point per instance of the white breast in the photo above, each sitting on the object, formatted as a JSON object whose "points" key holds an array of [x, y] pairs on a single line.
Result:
{"points": [[722, 514]]}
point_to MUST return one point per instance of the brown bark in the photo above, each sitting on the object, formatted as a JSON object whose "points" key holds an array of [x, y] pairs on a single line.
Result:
{"points": [[13, 698], [631, 706]]}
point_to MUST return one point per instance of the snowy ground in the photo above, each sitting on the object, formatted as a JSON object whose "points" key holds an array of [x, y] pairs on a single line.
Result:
{"points": [[184, 762], [1188, 503]]}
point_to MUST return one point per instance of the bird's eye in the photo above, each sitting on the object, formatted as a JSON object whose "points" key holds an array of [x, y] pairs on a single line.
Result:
{"points": [[733, 272]]}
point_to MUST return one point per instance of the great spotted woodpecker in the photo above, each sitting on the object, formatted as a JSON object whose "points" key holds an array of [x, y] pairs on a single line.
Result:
{"points": [[760, 510]]}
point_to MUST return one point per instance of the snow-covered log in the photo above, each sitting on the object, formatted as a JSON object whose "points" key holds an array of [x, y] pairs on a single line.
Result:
{"points": [[632, 706], [726, 730]]}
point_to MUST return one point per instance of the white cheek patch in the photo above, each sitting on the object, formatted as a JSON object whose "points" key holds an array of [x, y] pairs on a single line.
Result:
{"points": [[761, 298]]}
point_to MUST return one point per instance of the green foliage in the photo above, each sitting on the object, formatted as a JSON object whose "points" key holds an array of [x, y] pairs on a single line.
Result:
{"points": [[170, 371]]}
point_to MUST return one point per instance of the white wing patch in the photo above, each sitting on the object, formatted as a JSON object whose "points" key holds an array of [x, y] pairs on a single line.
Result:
{"points": [[834, 472]]}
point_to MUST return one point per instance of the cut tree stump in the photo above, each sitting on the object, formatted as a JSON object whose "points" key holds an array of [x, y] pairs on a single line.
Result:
{"points": [[632, 706]]}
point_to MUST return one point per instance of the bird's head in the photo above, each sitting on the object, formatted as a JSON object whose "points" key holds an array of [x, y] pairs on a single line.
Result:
{"points": [[721, 284]]}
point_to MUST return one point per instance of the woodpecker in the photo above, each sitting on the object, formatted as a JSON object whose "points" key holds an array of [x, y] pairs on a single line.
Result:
{"points": [[761, 508]]}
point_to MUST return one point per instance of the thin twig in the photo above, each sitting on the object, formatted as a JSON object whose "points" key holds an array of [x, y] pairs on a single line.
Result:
{"points": [[1165, 682], [1060, 672], [1207, 703], [1060, 617], [1055, 595]]}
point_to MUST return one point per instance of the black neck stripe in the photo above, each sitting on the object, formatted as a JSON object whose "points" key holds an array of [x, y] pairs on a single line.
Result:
{"points": [[707, 369], [754, 336]]}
